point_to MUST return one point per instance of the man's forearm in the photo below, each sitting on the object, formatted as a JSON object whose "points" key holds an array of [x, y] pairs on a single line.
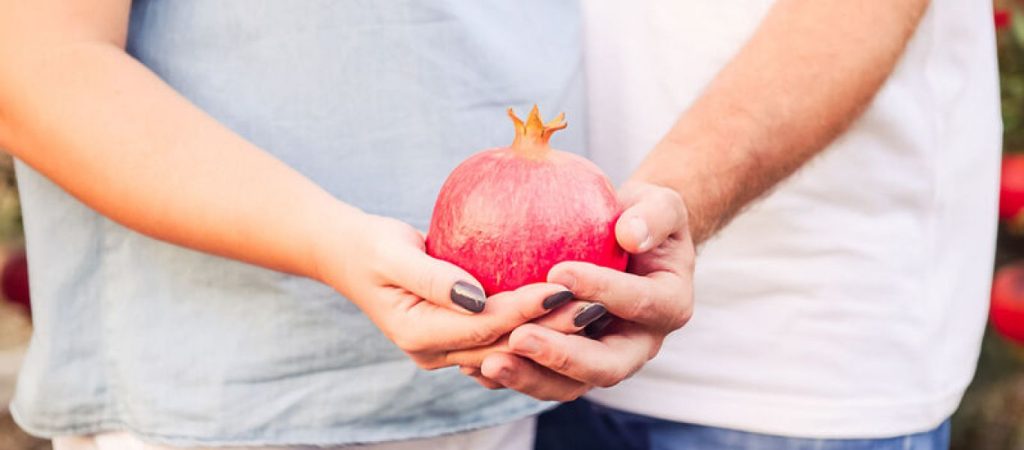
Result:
{"points": [[806, 74], [110, 132]]}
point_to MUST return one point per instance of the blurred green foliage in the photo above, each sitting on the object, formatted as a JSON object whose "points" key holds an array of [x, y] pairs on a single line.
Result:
{"points": [[1011, 78], [11, 232]]}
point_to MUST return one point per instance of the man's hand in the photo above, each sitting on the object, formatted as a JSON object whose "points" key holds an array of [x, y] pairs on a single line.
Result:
{"points": [[650, 301], [426, 306]]}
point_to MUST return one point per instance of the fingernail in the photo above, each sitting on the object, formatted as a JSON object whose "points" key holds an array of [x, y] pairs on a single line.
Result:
{"points": [[588, 314], [557, 299], [529, 345], [596, 327], [638, 228], [468, 296], [503, 375]]}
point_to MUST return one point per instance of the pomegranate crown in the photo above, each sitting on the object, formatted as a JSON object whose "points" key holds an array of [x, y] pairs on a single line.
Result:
{"points": [[532, 137]]}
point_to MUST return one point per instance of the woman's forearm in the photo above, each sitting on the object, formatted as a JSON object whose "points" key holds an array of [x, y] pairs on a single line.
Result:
{"points": [[110, 132]]}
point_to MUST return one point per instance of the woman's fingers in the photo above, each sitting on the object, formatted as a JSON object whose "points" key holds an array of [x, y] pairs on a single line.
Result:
{"points": [[439, 282], [423, 327]]}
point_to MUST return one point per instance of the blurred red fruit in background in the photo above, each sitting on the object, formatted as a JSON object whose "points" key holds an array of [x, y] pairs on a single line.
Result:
{"points": [[1011, 187], [1002, 17], [1007, 309], [14, 279]]}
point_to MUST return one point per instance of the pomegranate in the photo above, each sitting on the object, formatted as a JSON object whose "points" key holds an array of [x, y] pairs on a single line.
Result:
{"points": [[1011, 187], [507, 215], [1007, 308]]}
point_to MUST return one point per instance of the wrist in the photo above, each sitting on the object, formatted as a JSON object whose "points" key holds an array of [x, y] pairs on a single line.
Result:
{"points": [[335, 228], [694, 165]]}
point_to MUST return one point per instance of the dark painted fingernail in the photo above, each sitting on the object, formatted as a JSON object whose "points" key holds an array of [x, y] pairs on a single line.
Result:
{"points": [[596, 327], [557, 299], [468, 296], [588, 314]]}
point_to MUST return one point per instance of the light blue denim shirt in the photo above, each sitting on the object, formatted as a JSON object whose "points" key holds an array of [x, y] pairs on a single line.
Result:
{"points": [[374, 100]]}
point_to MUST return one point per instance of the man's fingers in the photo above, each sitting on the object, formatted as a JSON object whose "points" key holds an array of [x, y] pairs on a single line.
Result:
{"points": [[487, 382], [474, 373], [653, 213], [570, 318], [603, 362], [524, 376], [439, 282], [655, 300]]}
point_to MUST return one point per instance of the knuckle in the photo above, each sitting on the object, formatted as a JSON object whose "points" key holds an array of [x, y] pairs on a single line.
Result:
{"points": [[584, 286], [425, 282], [674, 203], [677, 322], [527, 309], [681, 313], [613, 378], [667, 196], [483, 335], [560, 361], [643, 305], [593, 288], [682, 318]]}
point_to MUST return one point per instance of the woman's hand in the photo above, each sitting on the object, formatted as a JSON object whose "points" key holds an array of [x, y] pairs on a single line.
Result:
{"points": [[426, 306]]}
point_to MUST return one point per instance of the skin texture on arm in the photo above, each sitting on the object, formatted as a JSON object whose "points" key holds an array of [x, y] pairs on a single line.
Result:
{"points": [[809, 70], [81, 111]]}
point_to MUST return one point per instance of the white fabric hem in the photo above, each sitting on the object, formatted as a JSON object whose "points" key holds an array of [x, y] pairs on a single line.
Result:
{"points": [[518, 435]]}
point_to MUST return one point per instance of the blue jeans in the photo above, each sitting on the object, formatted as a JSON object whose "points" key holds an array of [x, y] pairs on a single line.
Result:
{"points": [[585, 425]]}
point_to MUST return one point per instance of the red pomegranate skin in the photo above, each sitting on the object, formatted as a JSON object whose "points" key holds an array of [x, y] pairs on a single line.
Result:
{"points": [[1007, 308], [508, 215]]}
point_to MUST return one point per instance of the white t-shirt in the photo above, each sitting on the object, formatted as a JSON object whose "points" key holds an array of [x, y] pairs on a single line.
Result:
{"points": [[850, 302]]}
